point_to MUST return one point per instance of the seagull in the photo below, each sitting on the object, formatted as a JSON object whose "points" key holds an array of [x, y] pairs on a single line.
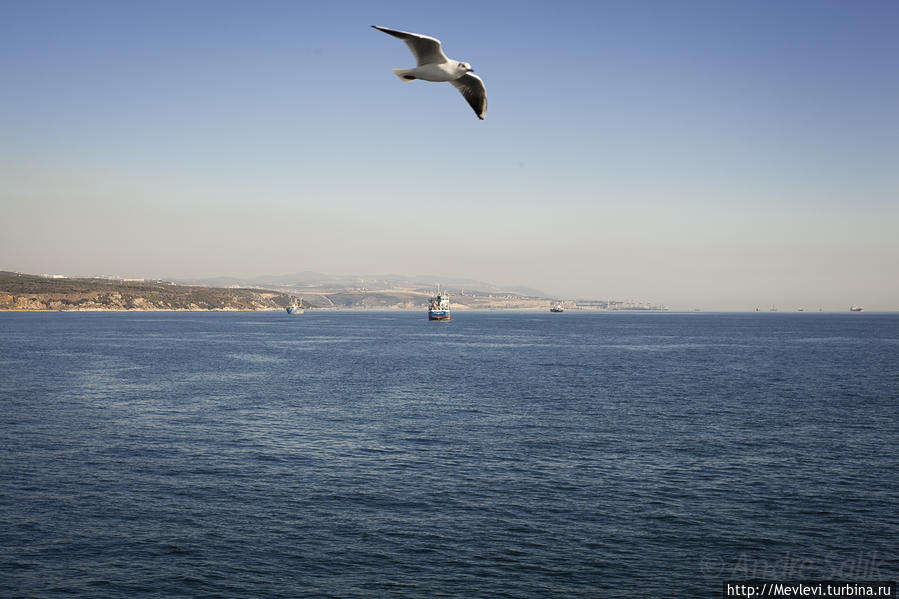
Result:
{"points": [[433, 65]]}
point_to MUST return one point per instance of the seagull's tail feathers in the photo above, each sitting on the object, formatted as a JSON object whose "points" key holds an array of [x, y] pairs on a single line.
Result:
{"points": [[404, 74]]}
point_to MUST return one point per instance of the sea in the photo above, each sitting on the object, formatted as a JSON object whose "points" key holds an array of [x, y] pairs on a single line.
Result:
{"points": [[500, 454]]}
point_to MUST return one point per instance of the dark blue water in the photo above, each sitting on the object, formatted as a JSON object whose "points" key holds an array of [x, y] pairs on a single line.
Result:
{"points": [[497, 455]]}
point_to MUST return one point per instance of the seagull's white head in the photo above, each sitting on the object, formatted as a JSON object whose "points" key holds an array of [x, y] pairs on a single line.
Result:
{"points": [[464, 67]]}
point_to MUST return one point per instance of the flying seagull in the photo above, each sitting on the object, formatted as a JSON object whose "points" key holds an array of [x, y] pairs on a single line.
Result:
{"points": [[433, 65]]}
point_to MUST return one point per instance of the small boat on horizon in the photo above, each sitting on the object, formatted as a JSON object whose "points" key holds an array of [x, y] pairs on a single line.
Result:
{"points": [[557, 307], [855, 308]]}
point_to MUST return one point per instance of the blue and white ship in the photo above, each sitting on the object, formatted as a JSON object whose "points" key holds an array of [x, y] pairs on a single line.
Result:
{"points": [[294, 307], [439, 308]]}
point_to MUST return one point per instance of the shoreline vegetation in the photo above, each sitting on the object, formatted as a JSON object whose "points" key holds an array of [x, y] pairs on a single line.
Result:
{"points": [[55, 293]]}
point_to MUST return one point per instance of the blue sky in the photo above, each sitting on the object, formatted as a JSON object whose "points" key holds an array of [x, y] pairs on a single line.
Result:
{"points": [[721, 155]]}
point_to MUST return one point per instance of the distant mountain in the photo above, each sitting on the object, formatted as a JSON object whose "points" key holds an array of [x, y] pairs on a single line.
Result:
{"points": [[319, 281], [31, 292], [315, 291]]}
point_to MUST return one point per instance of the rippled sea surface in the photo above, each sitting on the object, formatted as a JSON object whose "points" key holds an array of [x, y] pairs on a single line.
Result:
{"points": [[376, 454]]}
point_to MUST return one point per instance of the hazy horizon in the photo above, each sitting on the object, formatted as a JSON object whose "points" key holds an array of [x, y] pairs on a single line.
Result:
{"points": [[694, 154]]}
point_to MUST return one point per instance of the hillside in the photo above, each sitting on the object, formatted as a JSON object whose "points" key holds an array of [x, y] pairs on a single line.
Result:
{"points": [[29, 292]]}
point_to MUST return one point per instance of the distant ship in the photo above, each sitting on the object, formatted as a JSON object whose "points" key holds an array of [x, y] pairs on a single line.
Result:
{"points": [[557, 307], [439, 308], [294, 307], [854, 308]]}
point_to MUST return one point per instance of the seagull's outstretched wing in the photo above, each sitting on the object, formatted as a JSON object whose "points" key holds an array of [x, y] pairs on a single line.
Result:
{"points": [[426, 49], [472, 87]]}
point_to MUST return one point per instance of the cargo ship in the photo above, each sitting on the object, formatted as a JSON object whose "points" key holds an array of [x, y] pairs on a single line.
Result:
{"points": [[294, 307], [439, 308]]}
